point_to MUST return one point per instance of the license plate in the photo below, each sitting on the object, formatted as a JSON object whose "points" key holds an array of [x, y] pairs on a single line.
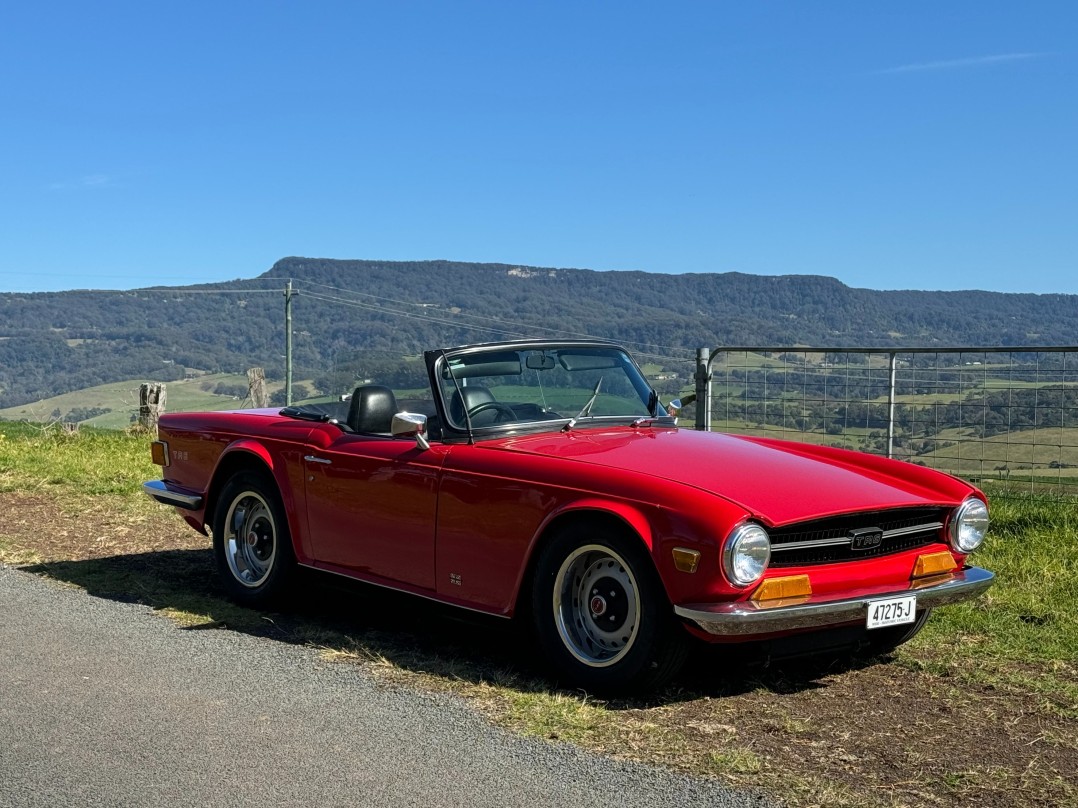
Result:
{"points": [[892, 612]]}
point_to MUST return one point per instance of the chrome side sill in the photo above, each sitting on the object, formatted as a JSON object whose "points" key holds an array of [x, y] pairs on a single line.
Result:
{"points": [[157, 489], [748, 618]]}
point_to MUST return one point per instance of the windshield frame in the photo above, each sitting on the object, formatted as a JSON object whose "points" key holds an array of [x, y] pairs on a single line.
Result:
{"points": [[439, 360]]}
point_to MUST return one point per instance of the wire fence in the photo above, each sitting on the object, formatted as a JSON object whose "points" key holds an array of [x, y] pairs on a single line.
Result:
{"points": [[1005, 418]]}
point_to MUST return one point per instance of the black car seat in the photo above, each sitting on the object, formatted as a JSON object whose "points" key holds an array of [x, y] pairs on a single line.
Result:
{"points": [[471, 397]]}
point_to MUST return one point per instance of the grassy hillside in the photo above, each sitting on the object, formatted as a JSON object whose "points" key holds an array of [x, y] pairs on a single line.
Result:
{"points": [[121, 398], [55, 342]]}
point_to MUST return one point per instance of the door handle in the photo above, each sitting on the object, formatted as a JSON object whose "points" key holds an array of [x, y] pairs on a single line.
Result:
{"points": [[322, 460]]}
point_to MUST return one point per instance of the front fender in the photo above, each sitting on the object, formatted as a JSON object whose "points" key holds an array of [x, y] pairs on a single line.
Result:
{"points": [[630, 515]]}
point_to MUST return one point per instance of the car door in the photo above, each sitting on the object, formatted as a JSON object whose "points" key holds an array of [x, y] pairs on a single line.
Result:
{"points": [[372, 506]]}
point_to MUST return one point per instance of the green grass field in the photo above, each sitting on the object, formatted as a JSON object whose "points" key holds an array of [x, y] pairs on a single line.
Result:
{"points": [[122, 399], [186, 395], [1032, 450]]}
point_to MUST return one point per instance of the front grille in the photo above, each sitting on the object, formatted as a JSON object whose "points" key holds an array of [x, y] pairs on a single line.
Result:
{"points": [[827, 541]]}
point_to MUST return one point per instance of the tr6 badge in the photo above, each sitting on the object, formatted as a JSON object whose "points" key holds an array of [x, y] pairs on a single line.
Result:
{"points": [[866, 538]]}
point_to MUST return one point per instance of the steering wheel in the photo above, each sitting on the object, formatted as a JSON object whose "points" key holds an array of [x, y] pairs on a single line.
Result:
{"points": [[502, 409]]}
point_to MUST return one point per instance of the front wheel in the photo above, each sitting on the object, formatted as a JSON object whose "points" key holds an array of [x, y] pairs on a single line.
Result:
{"points": [[600, 613], [251, 541]]}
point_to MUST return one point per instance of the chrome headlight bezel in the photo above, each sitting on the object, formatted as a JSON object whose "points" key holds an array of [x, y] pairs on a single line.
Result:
{"points": [[746, 554], [969, 524]]}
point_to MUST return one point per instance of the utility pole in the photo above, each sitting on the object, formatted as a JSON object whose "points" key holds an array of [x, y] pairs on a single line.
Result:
{"points": [[288, 344]]}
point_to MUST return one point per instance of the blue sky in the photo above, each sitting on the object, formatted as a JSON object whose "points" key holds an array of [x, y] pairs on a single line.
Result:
{"points": [[890, 145]]}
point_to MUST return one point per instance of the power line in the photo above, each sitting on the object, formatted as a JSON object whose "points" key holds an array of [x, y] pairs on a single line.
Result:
{"points": [[559, 331], [197, 291], [458, 320], [426, 305], [411, 315], [168, 291]]}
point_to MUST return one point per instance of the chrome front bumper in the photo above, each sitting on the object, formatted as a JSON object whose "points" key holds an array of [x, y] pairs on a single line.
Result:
{"points": [[748, 618], [159, 490]]}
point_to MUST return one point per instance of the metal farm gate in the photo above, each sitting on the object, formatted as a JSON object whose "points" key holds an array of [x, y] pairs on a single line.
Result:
{"points": [[1007, 417]]}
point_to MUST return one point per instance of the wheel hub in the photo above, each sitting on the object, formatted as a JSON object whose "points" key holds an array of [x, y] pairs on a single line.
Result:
{"points": [[259, 539], [596, 605], [251, 548], [609, 605]]}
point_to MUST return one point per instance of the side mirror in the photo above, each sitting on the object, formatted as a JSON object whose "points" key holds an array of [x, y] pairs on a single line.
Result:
{"points": [[410, 425], [678, 403], [674, 407]]}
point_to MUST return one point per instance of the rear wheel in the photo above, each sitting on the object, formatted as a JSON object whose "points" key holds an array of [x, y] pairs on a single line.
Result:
{"points": [[251, 541], [600, 613]]}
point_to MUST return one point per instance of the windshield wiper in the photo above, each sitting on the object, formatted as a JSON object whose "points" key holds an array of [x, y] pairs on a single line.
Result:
{"points": [[586, 410]]}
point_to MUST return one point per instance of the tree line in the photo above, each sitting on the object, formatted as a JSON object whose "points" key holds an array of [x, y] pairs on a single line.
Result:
{"points": [[52, 343]]}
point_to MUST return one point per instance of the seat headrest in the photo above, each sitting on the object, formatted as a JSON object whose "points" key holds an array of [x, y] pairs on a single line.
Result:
{"points": [[372, 409]]}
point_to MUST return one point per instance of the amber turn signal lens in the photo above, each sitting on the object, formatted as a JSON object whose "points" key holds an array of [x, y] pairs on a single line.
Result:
{"points": [[159, 453], [686, 560], [791, 586], [933, 564]]}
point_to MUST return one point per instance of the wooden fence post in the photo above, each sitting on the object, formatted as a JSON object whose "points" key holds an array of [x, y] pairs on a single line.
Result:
{"points": [[151, 403], [256, 387]]}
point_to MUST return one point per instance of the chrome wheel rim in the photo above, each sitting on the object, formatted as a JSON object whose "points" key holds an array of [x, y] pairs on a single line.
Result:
{"points": [[596, 605], [251, 539]]}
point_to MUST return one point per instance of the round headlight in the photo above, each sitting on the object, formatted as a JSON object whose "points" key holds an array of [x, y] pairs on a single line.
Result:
{"points": [[968, 525], [746, 553]]}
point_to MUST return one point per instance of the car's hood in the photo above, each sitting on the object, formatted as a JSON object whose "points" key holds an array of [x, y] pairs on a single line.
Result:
{"points": [[778, 481]]}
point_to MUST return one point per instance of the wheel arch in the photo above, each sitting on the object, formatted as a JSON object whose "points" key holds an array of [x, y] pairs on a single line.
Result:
{"points": [[626, 519], [243, 455]]}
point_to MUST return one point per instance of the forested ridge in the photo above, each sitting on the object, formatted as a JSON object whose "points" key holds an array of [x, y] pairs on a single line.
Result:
{"points": [[61, 341]]}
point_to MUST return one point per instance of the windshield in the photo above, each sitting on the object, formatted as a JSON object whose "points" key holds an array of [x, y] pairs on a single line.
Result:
{"points": [[578, 385]]}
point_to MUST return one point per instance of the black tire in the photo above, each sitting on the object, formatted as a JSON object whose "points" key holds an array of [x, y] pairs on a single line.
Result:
{"points": [[624, 639], [882, 641], [254, 553]]}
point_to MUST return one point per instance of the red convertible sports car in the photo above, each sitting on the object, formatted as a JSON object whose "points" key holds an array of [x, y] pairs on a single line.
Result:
{"points": [[545, 481]]}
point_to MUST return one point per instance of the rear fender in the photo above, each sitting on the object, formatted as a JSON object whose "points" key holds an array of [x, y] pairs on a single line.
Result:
{"points": [[247, 453]]}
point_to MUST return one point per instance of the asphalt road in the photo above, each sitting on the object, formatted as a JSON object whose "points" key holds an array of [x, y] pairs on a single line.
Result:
{"points": [[105, 704]]}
